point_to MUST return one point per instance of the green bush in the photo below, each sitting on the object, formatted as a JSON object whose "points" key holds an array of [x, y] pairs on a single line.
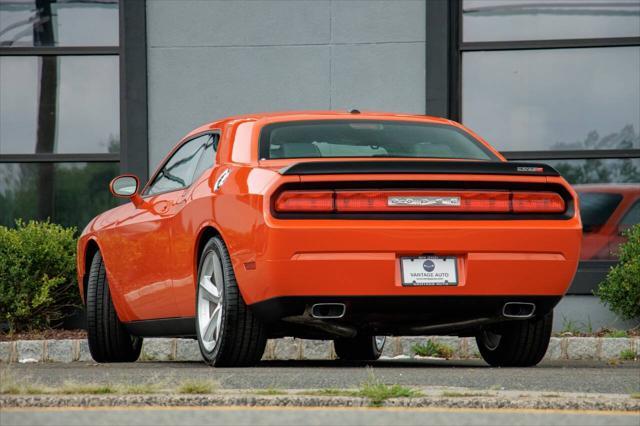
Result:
{"points": [[621, 289], [37, 275]]}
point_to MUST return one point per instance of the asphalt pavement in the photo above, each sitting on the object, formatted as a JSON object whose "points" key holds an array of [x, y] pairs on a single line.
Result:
{"points": [[311, 416], [567, 376]]}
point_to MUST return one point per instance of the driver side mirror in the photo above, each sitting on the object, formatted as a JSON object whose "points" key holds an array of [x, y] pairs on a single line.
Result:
{"points": [[126, 186]]}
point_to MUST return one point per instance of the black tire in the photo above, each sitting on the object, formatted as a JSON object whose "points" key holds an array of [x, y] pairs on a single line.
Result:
{"points": [[518, 343], [242, 337], [109, 340], [360, 348]]}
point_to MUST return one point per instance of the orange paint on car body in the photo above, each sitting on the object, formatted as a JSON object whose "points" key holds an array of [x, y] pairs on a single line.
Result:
{"points": [[151, 253]]}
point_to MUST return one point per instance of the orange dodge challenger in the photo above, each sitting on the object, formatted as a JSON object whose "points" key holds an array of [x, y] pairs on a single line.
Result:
{"points": [[346, 226]]}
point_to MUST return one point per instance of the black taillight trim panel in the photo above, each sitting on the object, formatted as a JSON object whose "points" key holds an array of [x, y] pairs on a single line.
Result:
{"points": [[431, 185]]}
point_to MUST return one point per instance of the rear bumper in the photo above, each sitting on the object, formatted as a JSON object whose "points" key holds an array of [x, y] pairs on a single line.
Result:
{"points": [[336, 258], [400, 315]]}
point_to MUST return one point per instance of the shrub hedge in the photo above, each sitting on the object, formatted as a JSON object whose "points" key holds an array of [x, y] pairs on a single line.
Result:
{"points": [[621, 289], [37, 275]]}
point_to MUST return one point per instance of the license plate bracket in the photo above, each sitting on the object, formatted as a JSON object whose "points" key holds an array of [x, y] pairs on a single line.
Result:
{"points": [[420, 271]]}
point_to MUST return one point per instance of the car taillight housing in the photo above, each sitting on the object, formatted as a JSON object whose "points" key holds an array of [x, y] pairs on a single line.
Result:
{"points": [[436, 201], [305, 201]]}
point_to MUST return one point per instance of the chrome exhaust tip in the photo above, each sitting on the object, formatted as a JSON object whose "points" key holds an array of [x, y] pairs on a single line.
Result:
{"points": [[518, 310], [328, 310]]}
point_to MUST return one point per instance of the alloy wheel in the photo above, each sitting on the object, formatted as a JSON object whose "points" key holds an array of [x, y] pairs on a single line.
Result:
{"points": [[210, 301], [490, 339]]}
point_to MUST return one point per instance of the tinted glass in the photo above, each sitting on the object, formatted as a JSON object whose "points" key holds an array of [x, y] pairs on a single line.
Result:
{"points": [[555, 99], [368, 138], [208, 157], [62, 23], [502, 20], [67, 104], [632, 217], [68, 193], [178, 171], [597, 207]]}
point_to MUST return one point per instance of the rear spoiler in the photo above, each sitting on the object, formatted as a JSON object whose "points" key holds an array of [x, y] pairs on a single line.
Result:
{"points": [[418, 167]]}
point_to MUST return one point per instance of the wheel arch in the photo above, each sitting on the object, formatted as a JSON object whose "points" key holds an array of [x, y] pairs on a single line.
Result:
{"points": [[90, 250], [207, 232]]}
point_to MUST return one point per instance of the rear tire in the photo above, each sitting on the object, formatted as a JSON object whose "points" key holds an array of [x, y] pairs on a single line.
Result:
{"points": [[360, 348], [516, 343], [109, 341], [237, 338]]}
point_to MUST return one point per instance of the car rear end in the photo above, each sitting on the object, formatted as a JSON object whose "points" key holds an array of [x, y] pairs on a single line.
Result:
{"points": [[359, 236], [412, 246]]}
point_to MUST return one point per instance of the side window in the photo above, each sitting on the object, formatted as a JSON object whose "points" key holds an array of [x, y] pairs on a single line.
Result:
{"points": [[177, 173], [208, 157], [631, 218]]}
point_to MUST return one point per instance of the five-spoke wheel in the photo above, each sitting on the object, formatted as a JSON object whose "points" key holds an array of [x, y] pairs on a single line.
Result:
{"points": [[228, 332]]}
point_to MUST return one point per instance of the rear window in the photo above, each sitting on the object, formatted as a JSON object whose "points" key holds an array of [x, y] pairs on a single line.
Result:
{"points": [[368, 138], [596, 208]]}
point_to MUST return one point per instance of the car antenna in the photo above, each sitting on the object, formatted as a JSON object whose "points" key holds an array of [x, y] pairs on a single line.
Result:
{"points": [[354, 111]]}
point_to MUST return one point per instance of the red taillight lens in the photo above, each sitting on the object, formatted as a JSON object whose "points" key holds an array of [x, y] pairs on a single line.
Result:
{"points": [[537, 202], [365, 201], [305, 201], [422, 201]]}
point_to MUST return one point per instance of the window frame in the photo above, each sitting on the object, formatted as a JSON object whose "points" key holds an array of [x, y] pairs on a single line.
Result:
{"points": [[444, 49], [458, 47], [634, 205], [175, 149], [133, 156], [68, 51]]}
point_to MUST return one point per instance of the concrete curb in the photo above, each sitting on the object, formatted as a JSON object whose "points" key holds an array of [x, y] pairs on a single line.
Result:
{"points": [[560, 348], [583, 402]]}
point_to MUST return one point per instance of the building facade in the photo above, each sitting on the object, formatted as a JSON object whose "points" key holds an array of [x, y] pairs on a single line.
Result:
{"points": [[91, 88]]}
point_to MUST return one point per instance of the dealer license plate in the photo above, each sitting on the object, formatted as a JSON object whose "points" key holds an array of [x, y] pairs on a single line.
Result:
{"points": [[429, 270]]}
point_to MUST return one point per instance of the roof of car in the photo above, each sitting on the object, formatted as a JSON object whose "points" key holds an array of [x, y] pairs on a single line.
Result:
{"points": [[317, 115], [338, 114]]}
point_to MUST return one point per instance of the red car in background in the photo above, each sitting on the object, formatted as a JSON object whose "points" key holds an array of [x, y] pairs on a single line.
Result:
{"points": [[607, 210]]}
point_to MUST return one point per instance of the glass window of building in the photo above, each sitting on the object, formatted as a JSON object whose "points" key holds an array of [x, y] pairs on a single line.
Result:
{"points": [[59, 109], [554, 99], [25, 23], [508, 20], [558, 82]]}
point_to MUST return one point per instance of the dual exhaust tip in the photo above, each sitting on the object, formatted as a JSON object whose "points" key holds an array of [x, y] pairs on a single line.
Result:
{"points": [[513, 310], [328, 310], [518, 310]]}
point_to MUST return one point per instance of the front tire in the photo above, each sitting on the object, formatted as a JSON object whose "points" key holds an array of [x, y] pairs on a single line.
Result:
{"points": [[109, 341], [360, 348], [228, 333], [516, 343]]}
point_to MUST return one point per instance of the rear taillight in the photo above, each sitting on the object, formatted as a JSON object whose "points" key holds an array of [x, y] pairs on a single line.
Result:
{"points": [[537, 202], [417, 201], [365, 201], [305, 201]]}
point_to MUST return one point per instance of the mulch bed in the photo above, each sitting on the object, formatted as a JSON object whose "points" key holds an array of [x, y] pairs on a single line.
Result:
{"points": [[44, 335]]}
